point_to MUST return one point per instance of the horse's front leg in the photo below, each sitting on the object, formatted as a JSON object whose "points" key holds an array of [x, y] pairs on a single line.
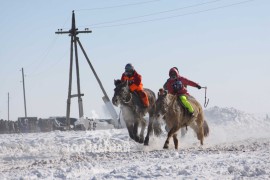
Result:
{"points": [[149, 131], [135, 131], [130, 128], [143, 125], [175, 140], [170, 134], [157, 127]]}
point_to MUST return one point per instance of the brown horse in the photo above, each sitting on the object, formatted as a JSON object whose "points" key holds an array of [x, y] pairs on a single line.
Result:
{"points": [[133, 111], [176, 116]]}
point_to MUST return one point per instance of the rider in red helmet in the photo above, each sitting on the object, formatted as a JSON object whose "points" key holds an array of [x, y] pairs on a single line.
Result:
{"points": [[177, 84], [135, 83]]}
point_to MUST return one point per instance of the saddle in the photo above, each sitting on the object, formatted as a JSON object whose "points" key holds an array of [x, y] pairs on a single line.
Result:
{"points": [[140, 103], [139, 108]]}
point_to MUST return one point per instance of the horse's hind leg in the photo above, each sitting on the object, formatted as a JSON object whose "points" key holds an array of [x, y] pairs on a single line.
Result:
{"points": [[175, 140], [183, 131], [200, 135], [200, 132]]}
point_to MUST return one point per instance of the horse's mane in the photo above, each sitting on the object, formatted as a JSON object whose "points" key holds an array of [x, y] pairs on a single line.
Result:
{"points": [[171, 97]]}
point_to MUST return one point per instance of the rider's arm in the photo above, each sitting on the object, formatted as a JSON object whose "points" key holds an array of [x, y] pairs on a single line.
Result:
{"points": [[165, 85], [123, 77], [137, 79], [188, 82]]}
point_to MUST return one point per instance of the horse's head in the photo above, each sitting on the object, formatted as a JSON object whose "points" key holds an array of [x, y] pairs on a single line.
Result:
{"points": [[161, 103], [122, 93]]}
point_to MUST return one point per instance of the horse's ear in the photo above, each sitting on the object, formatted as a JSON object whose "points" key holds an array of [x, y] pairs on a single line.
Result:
{"points": [[126, 83], [117, 82], [162, 92]]}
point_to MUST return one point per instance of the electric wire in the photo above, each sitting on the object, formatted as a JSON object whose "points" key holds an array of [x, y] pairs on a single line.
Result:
{"points": [[174, 16], [117, 6], [38, 63], [157, 13], [50, 67], [158, 19], [45, 55]]}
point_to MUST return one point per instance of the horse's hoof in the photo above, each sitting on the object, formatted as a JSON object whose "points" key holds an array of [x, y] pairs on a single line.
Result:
{"points": [[158, 132], [146, 141], [141, 140], [165, 146], [137, 139], [131, 137]]}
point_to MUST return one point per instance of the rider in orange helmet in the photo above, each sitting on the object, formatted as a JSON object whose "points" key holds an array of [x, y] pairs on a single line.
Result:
{"points": [[135, 83]]}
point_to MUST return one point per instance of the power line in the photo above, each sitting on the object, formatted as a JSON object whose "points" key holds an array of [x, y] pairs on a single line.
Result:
{"points": [[175, 16], [117, 6], [156, 13], [50, 67], [38, 63]]}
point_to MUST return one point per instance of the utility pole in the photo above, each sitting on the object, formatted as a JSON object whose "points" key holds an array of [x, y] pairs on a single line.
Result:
{"points": [[25, 112], [73, 32], [8, 106]]}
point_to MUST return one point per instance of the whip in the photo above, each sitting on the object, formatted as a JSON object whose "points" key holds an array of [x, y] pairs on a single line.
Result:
{"points": [[206, 100]]}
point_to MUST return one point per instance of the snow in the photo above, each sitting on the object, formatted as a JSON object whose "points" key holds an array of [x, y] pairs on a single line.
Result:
{"points": [[238, 148]]}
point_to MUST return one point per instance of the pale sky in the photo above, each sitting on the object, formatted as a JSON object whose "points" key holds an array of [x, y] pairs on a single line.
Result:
{"points": [[221, 44]]}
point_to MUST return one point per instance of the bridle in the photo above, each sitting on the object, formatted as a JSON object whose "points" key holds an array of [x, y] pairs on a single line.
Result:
{"points": [[164, 105], [129, 100]]}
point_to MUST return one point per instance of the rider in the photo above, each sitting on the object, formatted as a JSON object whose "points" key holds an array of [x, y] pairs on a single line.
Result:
{"points": [[177, 84], [135, 83]]}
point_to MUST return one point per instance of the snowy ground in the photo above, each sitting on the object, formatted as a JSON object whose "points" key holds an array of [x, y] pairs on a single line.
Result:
{"points": [[236, 149]]}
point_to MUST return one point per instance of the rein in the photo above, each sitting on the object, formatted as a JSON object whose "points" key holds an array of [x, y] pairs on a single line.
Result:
{"points": [[170, 104], [172, 101]]}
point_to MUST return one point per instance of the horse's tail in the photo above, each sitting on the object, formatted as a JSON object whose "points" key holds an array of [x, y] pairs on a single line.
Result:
{"points": [[205, 128]]}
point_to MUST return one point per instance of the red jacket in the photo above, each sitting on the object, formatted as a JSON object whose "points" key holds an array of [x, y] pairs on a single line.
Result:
{"points": [[136, 79], [185, 82]]}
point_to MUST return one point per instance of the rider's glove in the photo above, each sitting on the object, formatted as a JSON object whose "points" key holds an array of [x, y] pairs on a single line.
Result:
{"points": [[130, 82]]}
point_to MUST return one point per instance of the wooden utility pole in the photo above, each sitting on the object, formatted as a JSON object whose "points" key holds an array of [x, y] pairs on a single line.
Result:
{"points": [[25, 112], [8, 106], [73, 32]]}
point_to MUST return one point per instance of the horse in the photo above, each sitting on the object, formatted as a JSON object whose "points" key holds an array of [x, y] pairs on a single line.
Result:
{"points": [[176, 116], [133, 111]]}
